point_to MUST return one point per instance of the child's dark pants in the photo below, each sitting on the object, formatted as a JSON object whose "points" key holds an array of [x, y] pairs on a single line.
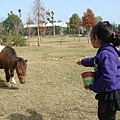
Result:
{"points": [[104, 111], [108, 105], [107, 115]]}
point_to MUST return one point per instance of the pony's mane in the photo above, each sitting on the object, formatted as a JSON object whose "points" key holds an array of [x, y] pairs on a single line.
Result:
{"points": [[21, 65], [21, 62]]}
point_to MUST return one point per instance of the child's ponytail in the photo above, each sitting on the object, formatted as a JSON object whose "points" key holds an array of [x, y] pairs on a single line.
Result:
{"points": [[115, 39]]}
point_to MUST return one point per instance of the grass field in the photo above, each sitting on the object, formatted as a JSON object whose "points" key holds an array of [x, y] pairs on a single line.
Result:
{"points": [[54, 88]]}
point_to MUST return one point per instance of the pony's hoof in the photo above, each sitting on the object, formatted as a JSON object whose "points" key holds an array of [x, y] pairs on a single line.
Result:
{"points": [[13, 82], [8, 84]]}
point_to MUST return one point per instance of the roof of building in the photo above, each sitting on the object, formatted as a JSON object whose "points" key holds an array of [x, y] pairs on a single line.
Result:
{"points": [[60, 24]]}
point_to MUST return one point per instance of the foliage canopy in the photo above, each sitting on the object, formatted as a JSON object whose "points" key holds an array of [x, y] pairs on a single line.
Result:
{"points": [[12, 23], [75, 23], [88, 19]]}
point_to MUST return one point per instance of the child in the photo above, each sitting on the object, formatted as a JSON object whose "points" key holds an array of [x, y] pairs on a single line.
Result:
{"points": [[107, 70]]}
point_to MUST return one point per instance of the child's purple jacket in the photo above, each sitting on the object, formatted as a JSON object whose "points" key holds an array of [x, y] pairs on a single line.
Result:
{"points": [[107, 69]]}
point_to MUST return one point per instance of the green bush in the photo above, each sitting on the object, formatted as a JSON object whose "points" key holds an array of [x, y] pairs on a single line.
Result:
{"points": [[18, 40], [5, 40], [14, 40]]}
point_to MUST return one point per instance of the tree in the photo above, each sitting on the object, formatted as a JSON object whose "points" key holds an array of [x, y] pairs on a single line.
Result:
{"points": [[29, 22], [119, 28], [1, 26], [88, 20], [12, 23], [38, 13], [75, 23], [99, 19], [50, 18]]}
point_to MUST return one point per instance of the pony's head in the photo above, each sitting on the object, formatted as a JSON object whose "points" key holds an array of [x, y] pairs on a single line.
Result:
{"points": [[21, 66]]}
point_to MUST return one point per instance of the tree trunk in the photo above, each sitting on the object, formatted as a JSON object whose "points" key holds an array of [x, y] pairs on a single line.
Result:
{"points": [[74, 36], [38, 36], [53, 30], [38, 31], [88, 36], [79, 35]]}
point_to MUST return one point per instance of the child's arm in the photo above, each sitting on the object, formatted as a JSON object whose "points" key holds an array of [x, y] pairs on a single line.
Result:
{"points": [[87, 62]]}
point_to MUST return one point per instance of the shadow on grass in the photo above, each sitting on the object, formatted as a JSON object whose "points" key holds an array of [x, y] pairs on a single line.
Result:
{"points": [[33, 116], [2, 86]]}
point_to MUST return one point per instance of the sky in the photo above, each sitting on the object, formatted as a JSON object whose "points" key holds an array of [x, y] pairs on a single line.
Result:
{"points": [[108, 9]]}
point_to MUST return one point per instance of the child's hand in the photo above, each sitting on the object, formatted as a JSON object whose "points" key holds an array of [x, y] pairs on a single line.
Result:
{"points": [[87, 87], [78, 62]]}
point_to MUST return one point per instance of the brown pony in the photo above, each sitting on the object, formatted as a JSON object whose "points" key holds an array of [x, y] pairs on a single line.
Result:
{"points": [[9, 61]]}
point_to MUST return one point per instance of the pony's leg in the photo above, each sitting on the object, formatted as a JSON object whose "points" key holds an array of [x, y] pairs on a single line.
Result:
{"points": [[7, 83], [12, 80]]}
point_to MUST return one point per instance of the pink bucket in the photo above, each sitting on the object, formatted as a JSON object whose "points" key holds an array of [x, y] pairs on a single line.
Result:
{"points": [[88, 77]]}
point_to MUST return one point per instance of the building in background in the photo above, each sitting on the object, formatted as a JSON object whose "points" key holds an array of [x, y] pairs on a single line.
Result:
{"points": [[46, 29]]}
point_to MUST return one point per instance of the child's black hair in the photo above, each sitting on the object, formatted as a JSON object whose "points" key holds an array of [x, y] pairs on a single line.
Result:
{"points": [[105, 32]]}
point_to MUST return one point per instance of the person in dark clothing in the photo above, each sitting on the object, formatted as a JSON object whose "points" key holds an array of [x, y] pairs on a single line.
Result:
{"points": [[106, 65]]}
